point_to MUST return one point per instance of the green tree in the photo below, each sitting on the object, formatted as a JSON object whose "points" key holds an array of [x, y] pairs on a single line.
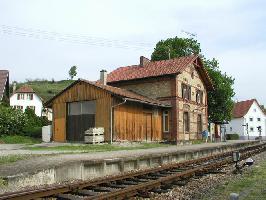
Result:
{"points": [[11, 121], [72, 72], [220, 101], [175, 47]]}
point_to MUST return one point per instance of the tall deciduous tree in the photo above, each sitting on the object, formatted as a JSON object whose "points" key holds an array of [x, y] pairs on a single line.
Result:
{"points": [[220, 101], [72, 72], [175, 47]]}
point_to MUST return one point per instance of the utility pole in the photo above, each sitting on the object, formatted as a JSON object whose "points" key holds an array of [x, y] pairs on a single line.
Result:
{"points": [[259, 129], [169, 53], [246, 125]]}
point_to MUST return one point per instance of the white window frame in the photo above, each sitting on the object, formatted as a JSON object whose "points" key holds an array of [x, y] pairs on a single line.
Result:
{"points": [[165, 114]]}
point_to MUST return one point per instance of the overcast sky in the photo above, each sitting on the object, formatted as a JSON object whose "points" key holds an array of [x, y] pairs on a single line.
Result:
{"points": [[44, 38]]}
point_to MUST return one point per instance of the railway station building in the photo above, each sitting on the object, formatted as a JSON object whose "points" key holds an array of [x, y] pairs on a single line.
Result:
{"points": [[151, 101]]}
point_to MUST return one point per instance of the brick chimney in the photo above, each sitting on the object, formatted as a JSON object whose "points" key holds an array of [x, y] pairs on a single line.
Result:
{"points": [[103, 77], [143, 61]]}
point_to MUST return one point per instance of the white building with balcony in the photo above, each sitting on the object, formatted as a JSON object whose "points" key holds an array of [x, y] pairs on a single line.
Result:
{"points": [[24, 98], [248, 116]]}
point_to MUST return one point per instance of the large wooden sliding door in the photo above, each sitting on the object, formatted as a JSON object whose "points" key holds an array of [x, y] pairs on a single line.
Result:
{"points": [[81, 117]]}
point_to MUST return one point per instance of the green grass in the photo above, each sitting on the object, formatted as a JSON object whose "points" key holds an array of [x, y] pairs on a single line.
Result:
{"points": [[198, 141], [251, 185], [97, 148], [18, 139], [47, 89], [11, 158]]}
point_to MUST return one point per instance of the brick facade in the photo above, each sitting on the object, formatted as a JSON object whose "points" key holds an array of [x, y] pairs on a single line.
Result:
{"points": [[168, 88]]}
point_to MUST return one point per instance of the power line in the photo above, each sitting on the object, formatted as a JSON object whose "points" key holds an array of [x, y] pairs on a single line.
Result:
{"points": [[72, 38]]}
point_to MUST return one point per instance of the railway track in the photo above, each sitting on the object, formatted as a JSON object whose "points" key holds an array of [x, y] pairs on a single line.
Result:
{"points": [[141, 183]]}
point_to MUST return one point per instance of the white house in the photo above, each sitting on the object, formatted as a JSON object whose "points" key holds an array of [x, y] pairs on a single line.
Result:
{"points": [[247, 117], [25, 97]]}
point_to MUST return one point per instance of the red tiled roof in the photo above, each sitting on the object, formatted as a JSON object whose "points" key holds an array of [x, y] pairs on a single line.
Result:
{"points": [[3, 79], [25, 89], [241, 108], [155, 69], [130, 96]]}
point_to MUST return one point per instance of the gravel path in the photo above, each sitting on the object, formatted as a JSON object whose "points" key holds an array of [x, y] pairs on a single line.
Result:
{"points": [[45, 162]]}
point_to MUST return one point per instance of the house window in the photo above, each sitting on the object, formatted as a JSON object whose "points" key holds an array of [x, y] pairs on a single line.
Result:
{"points": [[255, 110], [18, 107], [251, 129], [30, 96], [186, 91], [258, 119], [186, 122], [199, 124], [31, 107], [166, 121], [251, 119], [20, 96], [231, 128], [199, 96]]}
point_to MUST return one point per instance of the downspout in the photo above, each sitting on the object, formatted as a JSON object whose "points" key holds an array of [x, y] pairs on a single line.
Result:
{"points": [[111, 117]]}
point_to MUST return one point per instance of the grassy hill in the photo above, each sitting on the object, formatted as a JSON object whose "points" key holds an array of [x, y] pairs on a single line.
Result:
{"points": [[46, 89]]}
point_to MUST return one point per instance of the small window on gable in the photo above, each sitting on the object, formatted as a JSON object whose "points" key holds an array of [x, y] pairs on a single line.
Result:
{"points": [[255, 110], [30, 96]]}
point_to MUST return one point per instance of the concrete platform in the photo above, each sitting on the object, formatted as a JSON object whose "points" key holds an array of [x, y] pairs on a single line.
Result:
{"points": [[66, 167]]}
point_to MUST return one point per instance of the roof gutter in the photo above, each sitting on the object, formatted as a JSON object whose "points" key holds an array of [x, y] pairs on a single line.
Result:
{"points": [[153, 104]]}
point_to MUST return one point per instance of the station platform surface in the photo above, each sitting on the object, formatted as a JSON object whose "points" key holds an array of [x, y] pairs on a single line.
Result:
{"points": [[55, 160]]}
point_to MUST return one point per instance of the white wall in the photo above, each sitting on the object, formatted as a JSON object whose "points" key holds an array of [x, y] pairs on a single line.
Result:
{"points": [[254, 112], [235, 126], [36, 101]]}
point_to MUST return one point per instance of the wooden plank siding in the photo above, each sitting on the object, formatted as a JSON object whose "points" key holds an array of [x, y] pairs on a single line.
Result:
{"points": [[134, 123], [81, 92]]}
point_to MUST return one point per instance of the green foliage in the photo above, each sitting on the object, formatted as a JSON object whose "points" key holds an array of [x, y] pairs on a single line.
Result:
{"points": [[11, 121], [177, 47], [18, 139], [234, 136], [46, 89], [220, 103], [15, 122], [34, 124], [72, 72]]}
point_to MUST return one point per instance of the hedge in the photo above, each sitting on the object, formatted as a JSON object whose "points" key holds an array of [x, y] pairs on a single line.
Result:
{"points": [[234, 136]]}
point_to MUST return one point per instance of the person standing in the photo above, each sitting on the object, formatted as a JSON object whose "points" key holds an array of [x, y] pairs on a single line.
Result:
{"points": [[205, 135]]}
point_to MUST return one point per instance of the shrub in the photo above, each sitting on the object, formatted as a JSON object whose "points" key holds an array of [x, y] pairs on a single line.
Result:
{"points": [[15, 122], [11, 121], [35, 132], [234, 136]]}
